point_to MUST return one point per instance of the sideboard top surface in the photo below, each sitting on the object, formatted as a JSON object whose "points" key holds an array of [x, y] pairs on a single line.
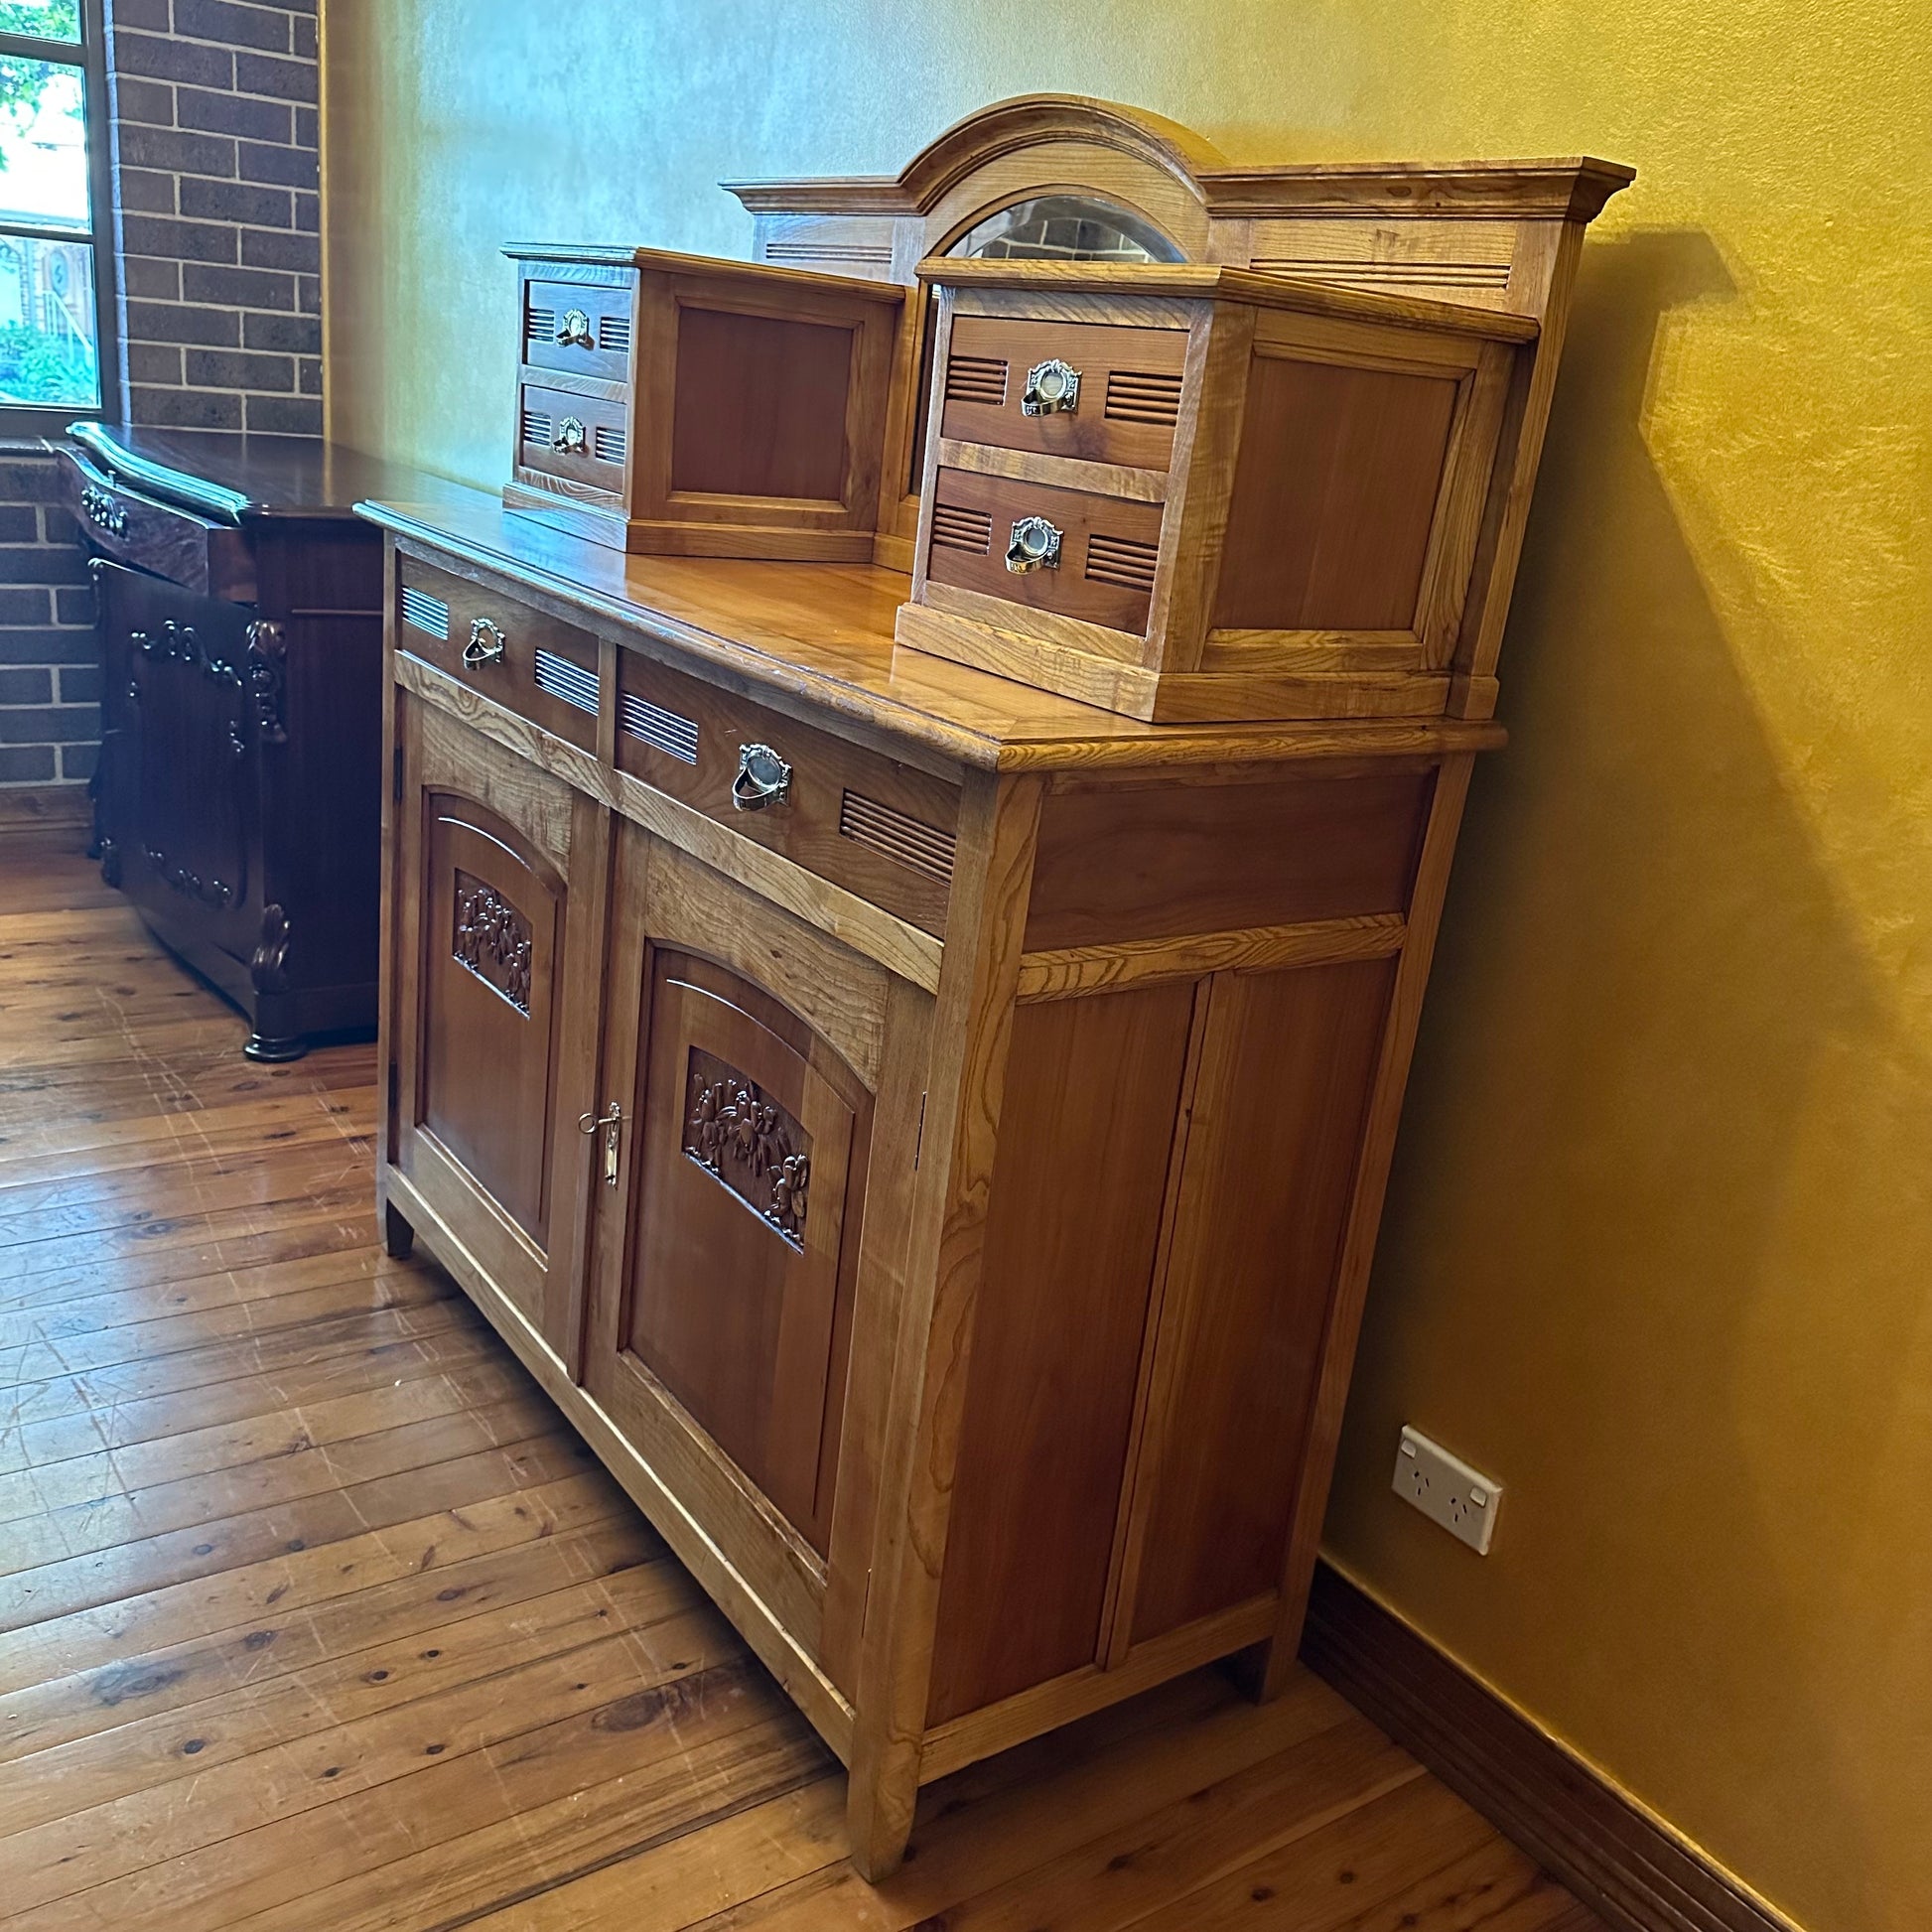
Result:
{"points": [[234, 477], [824, 633]]}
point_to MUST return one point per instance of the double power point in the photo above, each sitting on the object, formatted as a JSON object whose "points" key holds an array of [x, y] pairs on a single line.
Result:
{"points": [[1447, 1490]]}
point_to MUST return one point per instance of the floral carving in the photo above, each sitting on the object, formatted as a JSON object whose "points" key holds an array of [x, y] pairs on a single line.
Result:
{"points": [[267, 680], [492, 939], [749, 1142]]}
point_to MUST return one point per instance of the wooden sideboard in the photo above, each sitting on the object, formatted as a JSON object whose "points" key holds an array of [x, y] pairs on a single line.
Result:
{"points": [[928, 1133], [240, 607]]}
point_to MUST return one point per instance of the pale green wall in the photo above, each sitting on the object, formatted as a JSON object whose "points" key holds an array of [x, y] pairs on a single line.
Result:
{"points": [[1659, 1249]]}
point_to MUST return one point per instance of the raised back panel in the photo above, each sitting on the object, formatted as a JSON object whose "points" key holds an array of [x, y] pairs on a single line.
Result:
{"points": [[1085, 1129], [760, 406], [1453, 260], [1335, 492], [491, 938]]}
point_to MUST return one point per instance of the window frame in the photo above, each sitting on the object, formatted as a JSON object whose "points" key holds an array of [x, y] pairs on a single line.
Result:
{"points": [[24, 421]]}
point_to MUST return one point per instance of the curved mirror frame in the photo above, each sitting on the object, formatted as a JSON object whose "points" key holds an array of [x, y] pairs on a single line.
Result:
{"points": [[1065, 228]]}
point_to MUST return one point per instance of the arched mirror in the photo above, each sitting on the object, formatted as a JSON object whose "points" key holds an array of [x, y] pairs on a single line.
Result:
{"points": [[1065, 228]]}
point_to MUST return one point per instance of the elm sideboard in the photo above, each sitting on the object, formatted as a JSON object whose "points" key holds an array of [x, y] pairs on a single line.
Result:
{"points": [[927, 1130]]}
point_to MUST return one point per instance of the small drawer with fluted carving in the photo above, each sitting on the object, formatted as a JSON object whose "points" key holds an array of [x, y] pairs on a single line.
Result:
{"points": [[867, 823], [1101, 393], [532, 664], [581, 441]]}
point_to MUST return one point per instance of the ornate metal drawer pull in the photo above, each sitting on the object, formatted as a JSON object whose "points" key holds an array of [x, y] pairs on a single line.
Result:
{"points": [[575, 332], [103, 511], [572, 438], [487, 644], [610, 1126], [1052, 389], [1036, 545], [764, 778]]}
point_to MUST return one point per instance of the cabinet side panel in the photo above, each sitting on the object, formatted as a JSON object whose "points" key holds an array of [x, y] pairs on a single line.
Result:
{"points": [[761, 405], [1091, 1093], [1163, 861], [1335, 491], [1286, 1064]]}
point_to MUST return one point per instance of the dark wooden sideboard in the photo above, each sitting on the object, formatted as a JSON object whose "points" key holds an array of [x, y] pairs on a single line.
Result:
{"points": [[238, 803]]}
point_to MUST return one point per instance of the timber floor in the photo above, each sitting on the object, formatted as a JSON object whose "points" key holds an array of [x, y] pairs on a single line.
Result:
{"points": [[314, 1615]]}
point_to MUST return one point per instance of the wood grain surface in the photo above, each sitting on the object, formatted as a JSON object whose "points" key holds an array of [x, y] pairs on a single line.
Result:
{"points": [[317, 1614]]}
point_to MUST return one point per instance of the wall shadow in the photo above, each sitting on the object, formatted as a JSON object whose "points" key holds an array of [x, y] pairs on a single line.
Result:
{"points": [[1646, 989]]}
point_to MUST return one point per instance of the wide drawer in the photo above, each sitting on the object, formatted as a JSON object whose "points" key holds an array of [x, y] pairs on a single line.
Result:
{"points": [[863, 821], [161, 538], [581, 439], [1126, 392], [542, 669], [1094, 556]]}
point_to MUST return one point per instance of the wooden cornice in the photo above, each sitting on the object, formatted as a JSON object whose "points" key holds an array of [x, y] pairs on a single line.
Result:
{"points": [[1568, 189], [1574, 189], [1025, 121]]}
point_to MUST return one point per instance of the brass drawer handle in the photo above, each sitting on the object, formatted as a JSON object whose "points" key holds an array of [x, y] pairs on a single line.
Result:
{"points": [[1036, 545], [572, 438], [485, 646], [1052, 389], [575, 332], [764, 778]]}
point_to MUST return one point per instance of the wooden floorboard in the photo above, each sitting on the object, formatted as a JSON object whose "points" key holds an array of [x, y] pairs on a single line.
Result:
{"points": [[315, 1615]]}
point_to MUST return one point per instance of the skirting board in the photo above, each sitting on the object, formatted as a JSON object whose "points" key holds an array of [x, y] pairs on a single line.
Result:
{"points": [[45, 806], [1618, 1860]]}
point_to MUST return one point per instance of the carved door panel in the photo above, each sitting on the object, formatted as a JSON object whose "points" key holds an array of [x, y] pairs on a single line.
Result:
{"points": [[498, 898], [181, 764], [747, 1052]]}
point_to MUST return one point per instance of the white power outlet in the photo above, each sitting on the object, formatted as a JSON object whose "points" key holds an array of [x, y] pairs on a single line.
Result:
{"points": [[1447, 1490]]}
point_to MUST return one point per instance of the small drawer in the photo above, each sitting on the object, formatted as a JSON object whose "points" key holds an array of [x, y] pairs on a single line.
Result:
{"points": [[161, 538], [880, 829], [1099, 556], [1124, 392], [578, 328], [581, 439], [541, 669]]}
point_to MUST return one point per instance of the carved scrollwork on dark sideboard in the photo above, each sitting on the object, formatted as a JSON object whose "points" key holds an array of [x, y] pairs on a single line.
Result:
{"points": [[492, 940], [189, 883], [268, 681], [738, 1133], [268, 963]]}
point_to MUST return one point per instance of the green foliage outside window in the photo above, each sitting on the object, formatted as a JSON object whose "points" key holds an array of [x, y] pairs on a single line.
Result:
{"points": [[24, 81]]}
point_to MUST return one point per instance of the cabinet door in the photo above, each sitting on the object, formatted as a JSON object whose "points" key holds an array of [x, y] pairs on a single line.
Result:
{"points": [[179, 817], [771, 1079], [499, 907]]}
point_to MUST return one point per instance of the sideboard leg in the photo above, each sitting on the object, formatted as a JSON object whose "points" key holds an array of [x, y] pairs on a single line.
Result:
{"points": [[398, 1237], [879, 1820]]}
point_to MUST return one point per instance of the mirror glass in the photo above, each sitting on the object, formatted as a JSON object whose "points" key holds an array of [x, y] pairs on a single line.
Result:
{"points": [[1065, 228]]}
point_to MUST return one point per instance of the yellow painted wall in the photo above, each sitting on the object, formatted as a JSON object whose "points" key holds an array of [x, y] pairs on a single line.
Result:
{"points": [[1659, 1249]]}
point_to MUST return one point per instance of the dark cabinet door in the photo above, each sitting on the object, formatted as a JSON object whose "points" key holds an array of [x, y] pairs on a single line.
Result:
{"points": [[178, 818], [498, 904]]}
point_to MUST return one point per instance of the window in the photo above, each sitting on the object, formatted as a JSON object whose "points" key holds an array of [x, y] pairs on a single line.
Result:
{"points": [[54, 293]]}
